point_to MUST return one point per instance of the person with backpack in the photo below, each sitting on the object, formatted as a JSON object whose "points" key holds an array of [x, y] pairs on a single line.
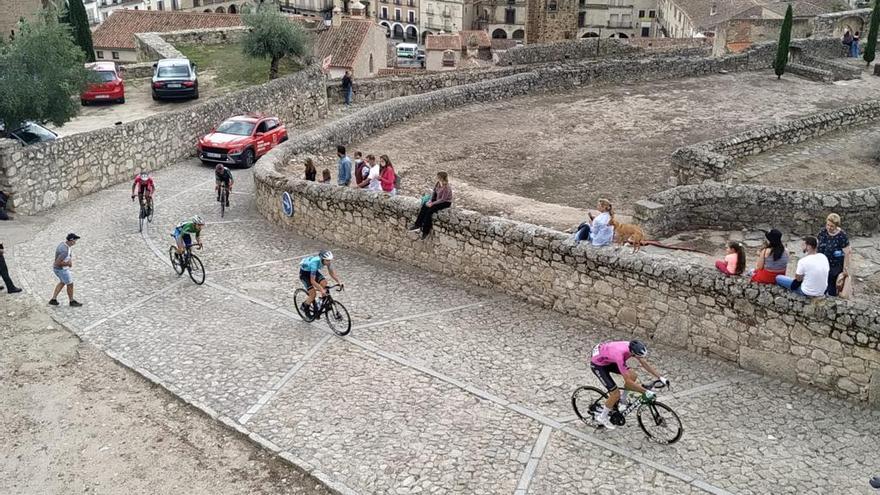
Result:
{"points": [[387, 175]]}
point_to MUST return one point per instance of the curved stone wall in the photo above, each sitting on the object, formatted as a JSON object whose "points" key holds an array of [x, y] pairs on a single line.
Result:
{"points": [[834, 344]]}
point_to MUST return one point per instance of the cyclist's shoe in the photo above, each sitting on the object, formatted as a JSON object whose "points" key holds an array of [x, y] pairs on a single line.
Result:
{"points": [[53, 302], [227, 204], [306, 309], [603, 419], [75, 304]]}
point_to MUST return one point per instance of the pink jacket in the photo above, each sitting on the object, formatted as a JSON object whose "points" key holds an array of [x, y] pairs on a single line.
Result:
{"points": [[386, 176]]}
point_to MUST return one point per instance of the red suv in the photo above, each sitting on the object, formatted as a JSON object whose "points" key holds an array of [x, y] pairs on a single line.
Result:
{"points": [[109, 86], [241, 140]]}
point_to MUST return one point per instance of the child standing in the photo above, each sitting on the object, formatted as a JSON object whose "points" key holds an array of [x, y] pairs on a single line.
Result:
{"points": [[734, 262]]}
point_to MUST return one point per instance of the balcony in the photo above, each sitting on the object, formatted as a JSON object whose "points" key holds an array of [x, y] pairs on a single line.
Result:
{"points": [[620, 24]]}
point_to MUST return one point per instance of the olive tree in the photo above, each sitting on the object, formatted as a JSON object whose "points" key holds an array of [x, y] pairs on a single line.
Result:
{"points": [[273, 36]]}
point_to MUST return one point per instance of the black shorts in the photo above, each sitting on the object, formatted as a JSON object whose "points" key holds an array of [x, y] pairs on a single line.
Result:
{"points": [[306, 278], [603, 373]]}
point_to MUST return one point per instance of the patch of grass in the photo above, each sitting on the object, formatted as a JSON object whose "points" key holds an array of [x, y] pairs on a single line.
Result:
{"points": [[231, 68]]}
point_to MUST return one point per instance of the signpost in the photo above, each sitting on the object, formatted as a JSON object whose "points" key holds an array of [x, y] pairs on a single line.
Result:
{"points": [[287, 204]]}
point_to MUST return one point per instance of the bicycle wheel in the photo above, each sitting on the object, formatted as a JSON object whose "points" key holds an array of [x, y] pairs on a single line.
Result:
{"points": [[196, 269], [299, 296], [660, 423], [223, 196], [141, 218], [151, 209], [176, 261], [338, 319], [587, 401]]}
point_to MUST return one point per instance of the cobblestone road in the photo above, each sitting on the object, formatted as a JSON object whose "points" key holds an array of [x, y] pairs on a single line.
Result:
{"points": [[440, 388]]}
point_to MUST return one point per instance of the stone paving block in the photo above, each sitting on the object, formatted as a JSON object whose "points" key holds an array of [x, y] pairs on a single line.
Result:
{"points": [[530, 356], [381, 428], [570, 465], [218, 349]]}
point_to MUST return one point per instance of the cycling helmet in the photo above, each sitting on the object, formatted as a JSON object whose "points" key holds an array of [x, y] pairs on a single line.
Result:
{"points": [[198, 220], [326, 255], [637, 348]]}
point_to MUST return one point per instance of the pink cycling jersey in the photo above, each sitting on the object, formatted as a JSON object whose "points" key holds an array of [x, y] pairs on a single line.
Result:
{"points": [[612, 353]]}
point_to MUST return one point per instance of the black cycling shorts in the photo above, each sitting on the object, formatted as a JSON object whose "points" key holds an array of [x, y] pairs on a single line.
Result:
{"points": [[603, 373], [306, 278]]}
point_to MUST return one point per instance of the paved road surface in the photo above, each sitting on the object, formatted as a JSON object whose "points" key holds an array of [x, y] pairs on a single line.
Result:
{"points": [[441, 387]]}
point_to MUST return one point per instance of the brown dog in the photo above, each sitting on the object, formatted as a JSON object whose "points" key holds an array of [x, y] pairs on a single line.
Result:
{"points": [[628, 232]]}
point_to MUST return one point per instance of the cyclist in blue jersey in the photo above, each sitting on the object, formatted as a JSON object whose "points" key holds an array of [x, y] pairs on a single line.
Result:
{"points": [[312, 279]]}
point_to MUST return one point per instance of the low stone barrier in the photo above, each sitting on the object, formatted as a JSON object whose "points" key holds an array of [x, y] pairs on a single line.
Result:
{"points": [[811, 73], [839, 70], [44, 175], [733, 207], [710, 160], [568, 50], [832, 345]]}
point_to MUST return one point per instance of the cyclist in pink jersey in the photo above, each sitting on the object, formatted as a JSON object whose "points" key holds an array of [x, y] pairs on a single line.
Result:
{"points": [[610, 357]]}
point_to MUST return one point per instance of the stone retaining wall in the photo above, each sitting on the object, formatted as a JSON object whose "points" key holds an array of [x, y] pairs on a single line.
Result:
{"points": [[710, 160], [568, 50], [832, 345], [831, 25], [810, 73], [839, 70], [48, 174], [733, 207]]}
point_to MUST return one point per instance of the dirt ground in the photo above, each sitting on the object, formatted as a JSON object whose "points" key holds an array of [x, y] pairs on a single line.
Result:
{"points": [[138, 104], [73, 421], [508, 159]]}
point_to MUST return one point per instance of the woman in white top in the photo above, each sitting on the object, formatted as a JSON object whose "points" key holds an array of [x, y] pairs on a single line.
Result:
{"points": [[599, 229]]}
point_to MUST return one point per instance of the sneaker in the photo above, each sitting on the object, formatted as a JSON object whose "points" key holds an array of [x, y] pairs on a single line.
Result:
{"points": [[75, 304], [227, 204], [603, 420], [53, 302], [414, 228], [14, 290]]}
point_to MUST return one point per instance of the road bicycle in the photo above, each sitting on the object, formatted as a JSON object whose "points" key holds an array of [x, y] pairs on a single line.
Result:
{"points": [[333, 311], [146, 211], [659, 422], [224, 197], [187, 262]]}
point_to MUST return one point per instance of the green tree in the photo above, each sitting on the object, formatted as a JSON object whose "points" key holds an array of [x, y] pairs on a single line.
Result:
{"points": [[871, 45], [41, 72], [273, 36], [784, 42], [79, 22]]}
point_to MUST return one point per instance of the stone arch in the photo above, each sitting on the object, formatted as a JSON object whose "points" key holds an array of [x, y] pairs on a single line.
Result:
{"points": [[590, 34], [853, 23], [397, 32], [387, 27], [220, 10], [499, 34], [622, 35], [412, 33], [209, 10], [519, 34], [425, 36], [233, 9]]}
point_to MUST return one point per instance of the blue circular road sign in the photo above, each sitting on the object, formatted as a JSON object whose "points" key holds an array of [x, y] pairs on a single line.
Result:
{"points": [[287, 204]]}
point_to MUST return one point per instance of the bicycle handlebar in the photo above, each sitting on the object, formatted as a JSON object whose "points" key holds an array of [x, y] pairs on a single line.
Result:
{"points": [[340, 289], [655, 385]]}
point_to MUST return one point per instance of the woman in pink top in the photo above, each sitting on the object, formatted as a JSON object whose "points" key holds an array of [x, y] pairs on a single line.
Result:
{"points": [[387, 175], [734, 262]]}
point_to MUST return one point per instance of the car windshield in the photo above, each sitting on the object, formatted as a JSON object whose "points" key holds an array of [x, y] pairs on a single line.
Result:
{"points": [[105, 76], [236, 127], [32, 133], [173, 71]]}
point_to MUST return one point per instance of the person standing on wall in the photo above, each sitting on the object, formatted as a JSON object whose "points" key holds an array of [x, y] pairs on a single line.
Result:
{"points": [[343, 168], [61, 267], [4, 274], [347, 87]]}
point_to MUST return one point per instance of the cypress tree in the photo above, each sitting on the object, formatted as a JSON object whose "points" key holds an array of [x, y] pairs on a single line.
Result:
{"points": [[871, 45], [79, 22], [784, 42]]}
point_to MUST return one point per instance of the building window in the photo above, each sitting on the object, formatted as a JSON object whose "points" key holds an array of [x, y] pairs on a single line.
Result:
{"points": [[641, 14], [100, 54], [160, 5], [551, 6], [448, 58], [646, 32], [509, 16], [396, 14], [582, 19], [115, 55], [411, 17], [411, 3], [651, 14], [384, 12]]}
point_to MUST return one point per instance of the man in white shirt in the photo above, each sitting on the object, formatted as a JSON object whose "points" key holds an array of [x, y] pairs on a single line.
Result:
{"points": [[811, 276]]}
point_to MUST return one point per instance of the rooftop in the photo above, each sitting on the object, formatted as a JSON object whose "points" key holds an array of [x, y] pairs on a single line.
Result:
{"points": [[343, 42], [119, 29], [480, 38], [443, 42], [706, 14]]}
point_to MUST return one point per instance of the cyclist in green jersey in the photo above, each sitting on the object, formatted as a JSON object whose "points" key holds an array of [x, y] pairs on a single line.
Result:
{"points": [[182, 233]]}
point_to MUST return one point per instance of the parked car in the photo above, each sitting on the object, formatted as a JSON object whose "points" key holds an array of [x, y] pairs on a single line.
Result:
{"points": [[241, 140], [109, 86], [28, 133], [406, 50], [175, 78]]}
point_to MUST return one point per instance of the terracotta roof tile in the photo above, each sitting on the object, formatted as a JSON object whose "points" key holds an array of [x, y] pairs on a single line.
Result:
{"points": [[443, 42], [481, 37], [119, 29], [343, 42]]}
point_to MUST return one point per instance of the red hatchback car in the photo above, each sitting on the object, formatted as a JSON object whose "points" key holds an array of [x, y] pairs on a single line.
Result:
{"points": [[109, 86], [241, 140]]}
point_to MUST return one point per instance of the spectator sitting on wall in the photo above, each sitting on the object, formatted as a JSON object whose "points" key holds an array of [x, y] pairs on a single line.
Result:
{"points": [[311, 171], [734, 262], [772, 259], [598, 228], [834, 244], [387, 175], [439, 199], [4, 199], [811, 275], [325, 176]]}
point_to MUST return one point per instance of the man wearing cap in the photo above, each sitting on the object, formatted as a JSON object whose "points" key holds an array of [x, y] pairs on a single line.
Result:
{"points": [[61, 267]]}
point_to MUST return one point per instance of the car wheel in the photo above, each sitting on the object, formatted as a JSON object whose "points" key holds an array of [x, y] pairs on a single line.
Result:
{"points": [[248, 161], [283, 139], [121, 100], [84, 103], [196, 95], [155, 97]]}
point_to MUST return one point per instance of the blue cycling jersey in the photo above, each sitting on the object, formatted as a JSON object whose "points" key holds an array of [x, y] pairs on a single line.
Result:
{"points": [[311, 264]]}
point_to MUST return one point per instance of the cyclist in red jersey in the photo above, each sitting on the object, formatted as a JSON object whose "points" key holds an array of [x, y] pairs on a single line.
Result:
{"points": [[143, 187]]}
